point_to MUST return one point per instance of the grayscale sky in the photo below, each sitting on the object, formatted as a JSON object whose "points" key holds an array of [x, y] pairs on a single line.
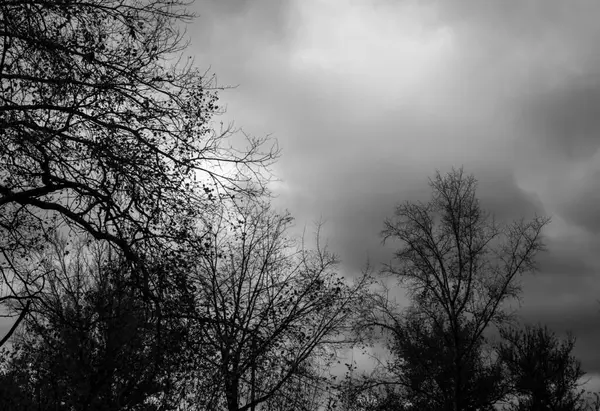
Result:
{"points": [[367, 98]]}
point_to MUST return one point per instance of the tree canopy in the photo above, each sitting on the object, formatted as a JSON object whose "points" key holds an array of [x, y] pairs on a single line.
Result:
{"points": [[458, 265], [105, 131]]}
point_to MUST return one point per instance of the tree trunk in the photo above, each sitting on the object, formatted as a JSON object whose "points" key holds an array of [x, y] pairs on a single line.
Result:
{"points": [[231, 392]]}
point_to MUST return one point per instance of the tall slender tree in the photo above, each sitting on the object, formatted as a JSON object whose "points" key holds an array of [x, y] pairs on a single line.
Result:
{"points": [[459, 265]]}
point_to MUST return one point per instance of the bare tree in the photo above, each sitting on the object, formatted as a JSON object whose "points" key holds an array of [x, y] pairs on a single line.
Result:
{"points": [[104, 129], [459, 266], [269, 311]]}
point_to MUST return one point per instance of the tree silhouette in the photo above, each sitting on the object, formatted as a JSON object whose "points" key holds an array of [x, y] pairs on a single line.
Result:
{"points": [[268, 310], [90, 342], [104, 130], [543, 372], [458, 266]]}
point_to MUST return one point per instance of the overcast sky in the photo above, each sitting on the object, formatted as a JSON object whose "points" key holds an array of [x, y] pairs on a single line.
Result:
{"points": [[367, 98]]}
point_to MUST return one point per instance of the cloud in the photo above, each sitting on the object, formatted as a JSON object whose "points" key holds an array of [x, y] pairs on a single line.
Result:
{"points": [[582, 207], [566, 119], [565, 293], [581, 319], [368, 98]]}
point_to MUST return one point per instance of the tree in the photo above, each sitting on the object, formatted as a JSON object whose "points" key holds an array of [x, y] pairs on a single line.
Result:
{"points": [[89, 342], [543, 372], [268, 312], [104, 130], [423, 355], [458, 265], [369, 394], [306, 391]]}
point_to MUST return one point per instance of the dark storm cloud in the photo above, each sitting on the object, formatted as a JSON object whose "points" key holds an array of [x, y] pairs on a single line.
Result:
{"points": [[571, 258], [368, 98], [564, 294], [546, 53], [501, 195], [583, 209], [563, 126], [580, 319], [567, 119]]}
